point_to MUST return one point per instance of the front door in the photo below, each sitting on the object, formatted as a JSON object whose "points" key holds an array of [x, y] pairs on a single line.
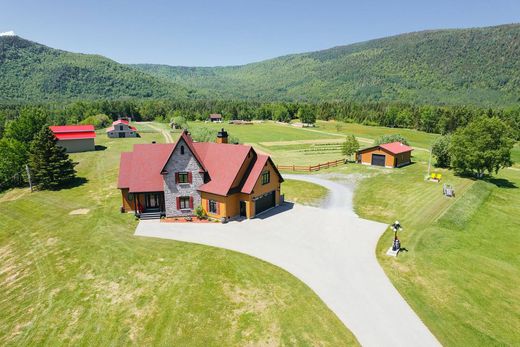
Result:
{"points": [[243, 212], [121, 135], [152, 201]]}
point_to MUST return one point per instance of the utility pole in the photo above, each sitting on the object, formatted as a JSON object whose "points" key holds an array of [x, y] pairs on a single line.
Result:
{"points": [[29, 176]]}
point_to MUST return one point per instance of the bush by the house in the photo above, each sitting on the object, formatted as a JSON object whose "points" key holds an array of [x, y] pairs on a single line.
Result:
{"points": [[350, 146]]}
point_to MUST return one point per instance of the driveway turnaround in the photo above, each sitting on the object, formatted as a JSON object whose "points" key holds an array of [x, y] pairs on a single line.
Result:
{"points": [[330, 249]]}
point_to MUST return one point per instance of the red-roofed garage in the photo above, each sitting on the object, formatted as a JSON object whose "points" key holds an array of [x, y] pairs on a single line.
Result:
{"points": [[75, 138], [393, 154]]}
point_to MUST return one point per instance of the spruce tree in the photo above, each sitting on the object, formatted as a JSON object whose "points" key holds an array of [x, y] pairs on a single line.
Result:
{"points": [[50, 165]]}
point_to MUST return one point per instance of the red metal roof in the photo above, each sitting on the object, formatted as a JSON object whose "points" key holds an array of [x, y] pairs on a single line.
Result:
{"points": [[143, 174], [119, 121], [396, 147], [140, 170], [223, 162], [73, 132]]}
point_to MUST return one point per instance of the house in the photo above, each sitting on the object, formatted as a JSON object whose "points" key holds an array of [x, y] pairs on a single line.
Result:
{"points": [[75, 138], [393, 154], [215, 117], [121, 128], [171, 180]]}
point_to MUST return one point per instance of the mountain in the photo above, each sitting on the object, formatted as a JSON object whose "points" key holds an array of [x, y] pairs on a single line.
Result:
{"points": [[33, 72], [463, 66]]}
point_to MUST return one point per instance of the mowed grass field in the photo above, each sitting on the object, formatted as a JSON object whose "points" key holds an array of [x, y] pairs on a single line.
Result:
{"points": [[87, 280], [461, 273]]}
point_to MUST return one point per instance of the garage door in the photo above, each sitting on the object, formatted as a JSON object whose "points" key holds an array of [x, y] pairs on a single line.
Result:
{"points": [[265, 202], [378, 159]]}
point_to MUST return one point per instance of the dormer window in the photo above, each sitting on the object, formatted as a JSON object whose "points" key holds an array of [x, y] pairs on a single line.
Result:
{"points": [[182, 149]]}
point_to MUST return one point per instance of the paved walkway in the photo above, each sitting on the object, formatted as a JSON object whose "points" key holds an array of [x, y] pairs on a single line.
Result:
{"points": [[331, 250]]}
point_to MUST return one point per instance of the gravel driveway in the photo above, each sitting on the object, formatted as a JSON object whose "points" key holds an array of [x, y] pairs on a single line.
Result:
{"points": [[330, 249]]}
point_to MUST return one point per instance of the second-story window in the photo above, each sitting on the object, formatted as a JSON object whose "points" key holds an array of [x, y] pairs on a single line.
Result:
{"points": [[266, 177], [182, 177]]}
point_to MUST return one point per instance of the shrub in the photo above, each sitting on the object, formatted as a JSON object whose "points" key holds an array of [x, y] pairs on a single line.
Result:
{"points": [[440, 150], [200, 213], [391, 138]]}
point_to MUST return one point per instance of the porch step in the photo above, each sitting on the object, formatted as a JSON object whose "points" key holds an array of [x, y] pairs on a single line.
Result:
{"points": [[150, 215]]}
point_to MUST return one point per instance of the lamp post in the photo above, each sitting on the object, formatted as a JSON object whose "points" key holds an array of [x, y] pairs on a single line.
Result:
{"points": [[396, 245]]}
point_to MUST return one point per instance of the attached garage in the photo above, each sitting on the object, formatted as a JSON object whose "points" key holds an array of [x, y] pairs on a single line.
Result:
{"points": [[393, 154], [265, 202]]}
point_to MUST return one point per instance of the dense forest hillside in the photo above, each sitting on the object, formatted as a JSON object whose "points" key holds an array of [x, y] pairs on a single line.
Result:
{"points": [[33, 72], [463, 66]]}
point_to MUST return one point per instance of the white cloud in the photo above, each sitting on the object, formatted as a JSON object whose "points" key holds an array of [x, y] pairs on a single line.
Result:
{"points": [[8, 33]]}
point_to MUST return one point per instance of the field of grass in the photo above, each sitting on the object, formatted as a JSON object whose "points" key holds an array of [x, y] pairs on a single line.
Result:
{"points": [[461, 273], [86, 280], [415, 138], [304, 193]]}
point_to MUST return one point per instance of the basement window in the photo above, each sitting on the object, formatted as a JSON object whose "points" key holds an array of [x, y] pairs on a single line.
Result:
{"points": [[266, 177]]}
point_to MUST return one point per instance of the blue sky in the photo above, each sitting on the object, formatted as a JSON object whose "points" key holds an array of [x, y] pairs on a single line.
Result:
{"points": [[208, 33]]}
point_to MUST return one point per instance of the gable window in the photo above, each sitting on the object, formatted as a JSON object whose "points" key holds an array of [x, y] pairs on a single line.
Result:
{"points": [[183, 177], [266, 177], [120, 127], [213, 206], [182, 149], [184, 202]]}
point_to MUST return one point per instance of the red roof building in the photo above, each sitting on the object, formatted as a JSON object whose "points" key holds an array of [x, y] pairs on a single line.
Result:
{"points": [[75, 138], [227, 180], [393, 154], [121, 128], [215, 117]]}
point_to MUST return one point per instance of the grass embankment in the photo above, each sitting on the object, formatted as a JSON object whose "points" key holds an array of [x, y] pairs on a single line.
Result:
{"points": [[85, 279], [462, 271], [304, 193]]}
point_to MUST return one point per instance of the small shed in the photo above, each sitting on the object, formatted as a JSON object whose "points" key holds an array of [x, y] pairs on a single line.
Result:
{"points": [[215, 117], [390, 155], [121, 128]]}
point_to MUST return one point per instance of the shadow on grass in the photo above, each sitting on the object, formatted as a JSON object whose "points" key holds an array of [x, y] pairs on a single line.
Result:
{"points": [[100, 148], [76, 182], [501, 182]]}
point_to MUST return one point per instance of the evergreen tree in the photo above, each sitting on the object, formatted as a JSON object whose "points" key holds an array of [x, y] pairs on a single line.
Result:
{"points": [[50, 165]]}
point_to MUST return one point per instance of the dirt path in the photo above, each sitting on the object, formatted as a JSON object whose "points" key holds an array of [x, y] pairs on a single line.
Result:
{"points": [[167, 136]]}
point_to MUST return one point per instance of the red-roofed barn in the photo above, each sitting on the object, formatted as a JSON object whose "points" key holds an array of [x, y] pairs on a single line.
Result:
{"points": [[227, 180], [75, 138], [393, 154], [121, 128]]}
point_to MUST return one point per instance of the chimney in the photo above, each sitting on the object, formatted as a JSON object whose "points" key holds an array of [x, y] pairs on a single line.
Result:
{"points": [[222, 136]]}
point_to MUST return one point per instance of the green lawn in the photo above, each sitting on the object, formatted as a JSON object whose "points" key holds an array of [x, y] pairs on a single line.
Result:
{"points": [[462, 271], [415, 138], [86, 280], [304, 193]]}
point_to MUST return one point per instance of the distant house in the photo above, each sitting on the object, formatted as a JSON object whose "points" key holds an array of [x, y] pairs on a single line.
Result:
{"points": [[215, 117], [172, 179], [393, 154], [121, 128], [75, 138]]}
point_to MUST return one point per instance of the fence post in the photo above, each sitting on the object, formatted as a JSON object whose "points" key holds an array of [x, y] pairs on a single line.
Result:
{"points": [[293, 168]]}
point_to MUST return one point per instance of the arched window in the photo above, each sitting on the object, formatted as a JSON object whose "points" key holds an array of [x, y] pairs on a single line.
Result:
{"points": [[182, 149]]}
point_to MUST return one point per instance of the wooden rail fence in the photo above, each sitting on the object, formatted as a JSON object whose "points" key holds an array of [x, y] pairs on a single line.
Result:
{"points": [[309, 168]]}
